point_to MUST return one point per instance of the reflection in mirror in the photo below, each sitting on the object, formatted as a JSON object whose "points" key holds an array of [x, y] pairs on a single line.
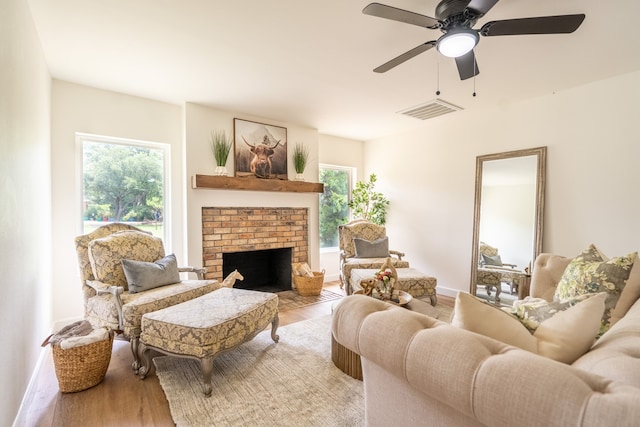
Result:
{"points": [[507, 230]]}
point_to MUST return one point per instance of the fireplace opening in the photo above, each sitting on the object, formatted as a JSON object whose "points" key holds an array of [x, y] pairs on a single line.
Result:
{"points": [[267, 270]]}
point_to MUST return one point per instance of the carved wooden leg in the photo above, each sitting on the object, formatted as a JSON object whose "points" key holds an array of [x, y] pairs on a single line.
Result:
{"points": [[274, 326], [134, 341], [206, 365], [146, 367], [498, 290], [434, 299]]}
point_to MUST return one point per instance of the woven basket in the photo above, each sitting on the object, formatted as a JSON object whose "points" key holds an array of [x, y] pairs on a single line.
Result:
{"points": [[308, 286], [79, 368]]}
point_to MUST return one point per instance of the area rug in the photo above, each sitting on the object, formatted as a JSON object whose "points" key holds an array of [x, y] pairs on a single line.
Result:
{"points": [[291, 299], [291, 383], [444, 312]]}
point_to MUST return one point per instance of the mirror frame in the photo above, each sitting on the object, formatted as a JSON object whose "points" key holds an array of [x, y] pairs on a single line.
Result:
{"points": [[541, 154]]}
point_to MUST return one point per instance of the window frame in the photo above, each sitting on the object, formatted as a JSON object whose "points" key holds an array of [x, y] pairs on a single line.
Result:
{"points": [[351, 175], [165, 148]]}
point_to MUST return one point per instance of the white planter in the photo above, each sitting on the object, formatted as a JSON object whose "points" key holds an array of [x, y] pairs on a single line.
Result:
{"points": [[299, 177], [221, 171]]}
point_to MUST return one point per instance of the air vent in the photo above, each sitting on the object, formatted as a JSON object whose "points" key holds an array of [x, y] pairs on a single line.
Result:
{"points": [[431, 109]]}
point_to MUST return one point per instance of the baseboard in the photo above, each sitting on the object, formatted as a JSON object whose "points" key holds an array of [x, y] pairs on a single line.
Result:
{"points": [[447, 291], [331, 277], [30, 392]]}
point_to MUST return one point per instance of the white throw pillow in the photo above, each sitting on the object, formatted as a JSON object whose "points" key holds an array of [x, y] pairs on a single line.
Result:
{"points": [[564, 337]]}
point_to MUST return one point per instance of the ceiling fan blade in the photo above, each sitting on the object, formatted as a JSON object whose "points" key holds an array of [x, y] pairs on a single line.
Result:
{"points": [[467, 65], [562, 24], [405, 57], [481, 6], [390, 12]]}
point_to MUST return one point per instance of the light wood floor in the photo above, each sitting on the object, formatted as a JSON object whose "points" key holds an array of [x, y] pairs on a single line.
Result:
{"points": [[122, 399]]}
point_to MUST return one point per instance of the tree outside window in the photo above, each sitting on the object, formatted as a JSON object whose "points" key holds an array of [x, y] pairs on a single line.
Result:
{"points": [[334, 209], [123, 183]]}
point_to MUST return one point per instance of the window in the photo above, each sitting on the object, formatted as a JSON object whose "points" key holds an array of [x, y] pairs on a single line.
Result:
{"points": [[124, 181], [334, 210]]}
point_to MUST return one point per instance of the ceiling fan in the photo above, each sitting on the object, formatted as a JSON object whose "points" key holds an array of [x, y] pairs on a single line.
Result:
{"points": [[456, 18]]}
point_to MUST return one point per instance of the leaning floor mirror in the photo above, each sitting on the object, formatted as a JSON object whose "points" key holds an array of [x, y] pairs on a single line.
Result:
{"points": [[508, 219]]}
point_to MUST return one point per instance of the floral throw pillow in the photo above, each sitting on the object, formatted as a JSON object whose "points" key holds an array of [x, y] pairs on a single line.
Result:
{"points": [[590, 273], [531, 312]]}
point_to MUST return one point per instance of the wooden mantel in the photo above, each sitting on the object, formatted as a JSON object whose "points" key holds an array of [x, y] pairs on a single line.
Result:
{"points": [[255, 184]]}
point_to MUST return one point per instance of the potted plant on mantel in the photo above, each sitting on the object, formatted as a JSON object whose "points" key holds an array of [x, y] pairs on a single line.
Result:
{"points": [[221, 147], [368, 204], [300, 158]]}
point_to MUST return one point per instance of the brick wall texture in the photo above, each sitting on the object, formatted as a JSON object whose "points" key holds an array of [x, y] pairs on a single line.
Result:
{"points": [[231, 229]]}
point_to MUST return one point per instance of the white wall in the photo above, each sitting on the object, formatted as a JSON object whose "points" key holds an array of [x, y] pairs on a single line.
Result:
{"points": [[77, 108], [339, 152], [199, 121], [592, 175], [25, 197]]}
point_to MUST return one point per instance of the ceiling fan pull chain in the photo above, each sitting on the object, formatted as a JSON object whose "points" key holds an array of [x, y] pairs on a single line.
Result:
{"points": [[474, 77], [438, 74]]}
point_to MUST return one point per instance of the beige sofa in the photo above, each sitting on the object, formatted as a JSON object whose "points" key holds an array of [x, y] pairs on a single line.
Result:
{"points": [[421, 371]]}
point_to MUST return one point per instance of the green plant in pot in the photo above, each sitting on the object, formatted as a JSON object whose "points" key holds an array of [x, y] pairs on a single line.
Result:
{"points": [[300, 158], [368, 204], [221, 147]]}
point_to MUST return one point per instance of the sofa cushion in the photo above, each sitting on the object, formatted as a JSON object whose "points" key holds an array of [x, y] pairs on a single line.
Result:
{"points": [[136, 305], [616, 355], [590, 272], [547, 272], [564, 336], [142, 276], [101, 310], [378, 248]]}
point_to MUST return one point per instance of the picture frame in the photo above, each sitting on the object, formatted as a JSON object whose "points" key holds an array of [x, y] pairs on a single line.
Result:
{"points": [[260, 150]]}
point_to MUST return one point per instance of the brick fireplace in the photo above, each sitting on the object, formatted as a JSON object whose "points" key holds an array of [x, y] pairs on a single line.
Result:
{"points": [[238, 229]]}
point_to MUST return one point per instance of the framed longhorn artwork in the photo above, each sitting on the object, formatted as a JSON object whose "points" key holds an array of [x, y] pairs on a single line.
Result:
{"points": [[260, 150]]}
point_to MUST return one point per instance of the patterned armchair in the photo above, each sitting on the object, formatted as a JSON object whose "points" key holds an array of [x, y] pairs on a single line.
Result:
{"points": [[492, 272], [367, 231], [107, 298]]}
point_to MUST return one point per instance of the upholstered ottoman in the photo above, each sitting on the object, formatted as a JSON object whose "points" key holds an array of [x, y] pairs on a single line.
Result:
{"points": [[410, 280], [207, 326]]}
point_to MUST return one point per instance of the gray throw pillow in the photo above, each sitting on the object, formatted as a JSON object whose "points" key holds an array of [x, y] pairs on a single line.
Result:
{"points": [[142, 276], [492, 260], [372, 249]]}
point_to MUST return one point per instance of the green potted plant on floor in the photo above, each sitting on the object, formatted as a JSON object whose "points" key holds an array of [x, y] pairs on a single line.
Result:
{"points": [[221, 147], [368, 204], [300, 158]]}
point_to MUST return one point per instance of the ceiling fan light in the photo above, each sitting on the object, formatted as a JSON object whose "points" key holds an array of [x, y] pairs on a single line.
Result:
{"points": [[458, 43]]}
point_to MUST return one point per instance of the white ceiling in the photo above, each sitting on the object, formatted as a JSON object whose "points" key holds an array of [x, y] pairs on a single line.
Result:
{"points": [[310, 62]]}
